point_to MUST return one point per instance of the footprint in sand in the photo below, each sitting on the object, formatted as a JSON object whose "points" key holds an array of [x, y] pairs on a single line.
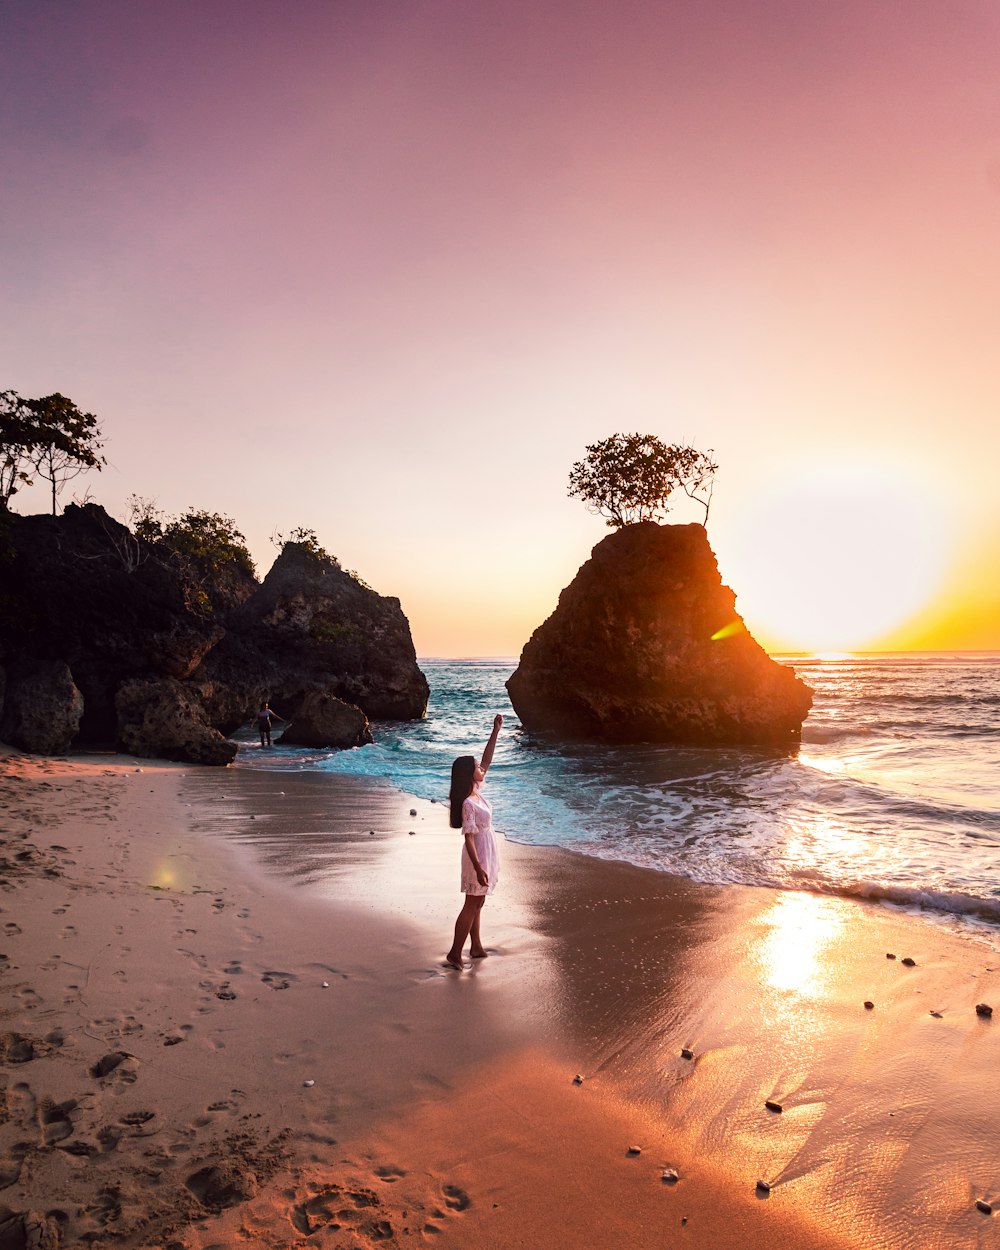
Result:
{"points": [[21, 1103], [107, 1206], [10, 1164], [231, 1104], [68, 932], [333, 1208], [11, 929], [455, 1198], [279, 980], [54, 1120], [389, 1173], [119, 1063]]}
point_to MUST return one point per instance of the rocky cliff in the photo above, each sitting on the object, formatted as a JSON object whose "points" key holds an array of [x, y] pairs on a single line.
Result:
{"points": [[108, 640], [646, 645]]}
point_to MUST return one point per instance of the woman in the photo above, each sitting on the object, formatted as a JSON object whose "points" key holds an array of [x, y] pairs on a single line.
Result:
{"points": [[471, 813], [263, 718]]}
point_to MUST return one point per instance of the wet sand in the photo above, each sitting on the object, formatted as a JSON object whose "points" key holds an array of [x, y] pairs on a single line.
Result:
{"points": [[176, 1072]]}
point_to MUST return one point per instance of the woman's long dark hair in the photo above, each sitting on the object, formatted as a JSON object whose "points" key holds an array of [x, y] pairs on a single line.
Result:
{"points": [[461, 786]]}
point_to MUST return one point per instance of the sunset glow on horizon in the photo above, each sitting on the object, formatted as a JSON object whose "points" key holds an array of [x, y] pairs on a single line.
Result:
{"points": [[385, 271]]}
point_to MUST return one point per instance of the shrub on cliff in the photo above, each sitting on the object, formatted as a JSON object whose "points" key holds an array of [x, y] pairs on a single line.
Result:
{"points": [[209, 539], [629, 478]]}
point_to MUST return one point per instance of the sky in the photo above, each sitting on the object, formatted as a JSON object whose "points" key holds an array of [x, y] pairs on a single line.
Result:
{"points": [[384, 269]]}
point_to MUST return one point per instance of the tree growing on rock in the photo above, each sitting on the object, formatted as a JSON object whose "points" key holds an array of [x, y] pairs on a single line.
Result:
{"points": [[629, 478], [16, 446], [64, 441]]}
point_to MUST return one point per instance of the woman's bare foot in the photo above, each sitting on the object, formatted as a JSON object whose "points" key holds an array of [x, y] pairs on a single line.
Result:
{"points": [[454, 961], [479, 953]]}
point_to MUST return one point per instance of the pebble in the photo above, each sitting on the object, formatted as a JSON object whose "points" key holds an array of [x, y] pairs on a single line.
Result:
{"points": [[764, 1187], [937, 1015], [889, 955], [326, 985], [771, 1105], [909, 963], [869, 1005], [371, 833], [686, 1054], [413, 833], [308, 1084], [634, 1150], [983, 1206], [984, 1010], [413, 811], [138, 770], [670, 1177], [578, 1079]]}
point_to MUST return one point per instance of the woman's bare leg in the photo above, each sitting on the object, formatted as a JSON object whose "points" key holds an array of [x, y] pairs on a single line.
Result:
{"points": [[478, 951], [468, 916]]}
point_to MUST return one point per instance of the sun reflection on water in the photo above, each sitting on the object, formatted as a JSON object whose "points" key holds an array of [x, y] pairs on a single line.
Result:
{"points": [[800, 929]]}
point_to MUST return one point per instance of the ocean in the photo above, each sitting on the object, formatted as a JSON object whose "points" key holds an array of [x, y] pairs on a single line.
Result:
{"points": [[894, 794]]}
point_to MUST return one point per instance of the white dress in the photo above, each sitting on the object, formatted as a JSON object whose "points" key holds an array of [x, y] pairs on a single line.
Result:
{"points": [[477, 818]]}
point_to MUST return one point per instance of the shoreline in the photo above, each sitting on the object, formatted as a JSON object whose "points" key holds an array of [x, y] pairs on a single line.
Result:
{"points": [[450, 1097]]}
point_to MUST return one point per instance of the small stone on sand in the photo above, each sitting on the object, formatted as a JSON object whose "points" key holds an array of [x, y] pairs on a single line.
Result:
{"points": [[937, 1015], [984, 1010], [634, 1150], [686, 1054], [326, 985], [413, 833], [669, 1176], [984, 1206], [771, 1105], [764, 1187], [908, 962], [413, 811], [869, 1005], [578, 1079], [889, 955], [308, 1084]]}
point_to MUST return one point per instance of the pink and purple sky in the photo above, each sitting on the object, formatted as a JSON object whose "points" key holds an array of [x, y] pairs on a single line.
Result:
{"points": [[383, 269]]}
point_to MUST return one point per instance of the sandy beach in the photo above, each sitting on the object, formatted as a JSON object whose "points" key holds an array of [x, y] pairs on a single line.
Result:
{"points": [[226, 1020]]}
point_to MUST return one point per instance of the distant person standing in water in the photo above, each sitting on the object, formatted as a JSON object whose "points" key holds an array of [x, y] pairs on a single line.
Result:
{"points": [[471, 813], [264, 717]]}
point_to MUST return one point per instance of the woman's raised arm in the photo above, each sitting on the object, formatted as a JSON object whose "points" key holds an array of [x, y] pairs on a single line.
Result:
{"points": [[488, 750]]}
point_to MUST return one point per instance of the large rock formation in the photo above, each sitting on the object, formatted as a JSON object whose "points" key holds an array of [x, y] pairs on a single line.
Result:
{"points": [[312, 626], [106, 640], [646, 645]]}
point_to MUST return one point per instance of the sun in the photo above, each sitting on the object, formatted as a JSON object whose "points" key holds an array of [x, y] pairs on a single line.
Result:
{"points": [[834, 558]]}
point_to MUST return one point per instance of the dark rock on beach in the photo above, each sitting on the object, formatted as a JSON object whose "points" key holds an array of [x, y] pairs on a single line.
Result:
{"points": [[42, 707], [322, 720], [110, 641], [166, 720], [646, 645]]}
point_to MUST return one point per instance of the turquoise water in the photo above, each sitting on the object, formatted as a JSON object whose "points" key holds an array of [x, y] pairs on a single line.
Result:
{"points": [[894, 793]]}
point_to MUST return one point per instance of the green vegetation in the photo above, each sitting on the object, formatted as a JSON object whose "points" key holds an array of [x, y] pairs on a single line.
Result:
{"points": [[333, 632], [50, 437], [210, 539], [307, 540], [629, 478]]}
